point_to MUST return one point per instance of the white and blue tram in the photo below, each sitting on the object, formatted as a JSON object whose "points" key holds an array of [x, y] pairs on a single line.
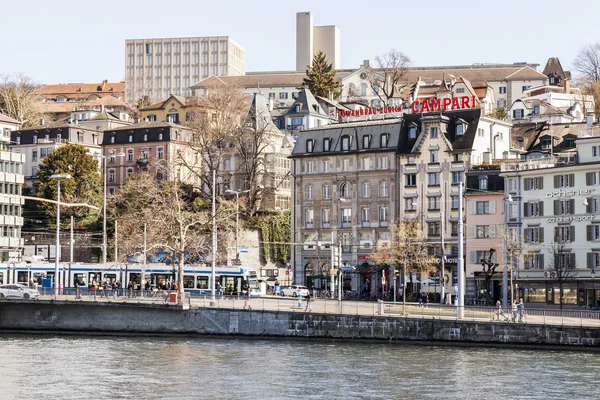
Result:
{"points": [[196, 279]]}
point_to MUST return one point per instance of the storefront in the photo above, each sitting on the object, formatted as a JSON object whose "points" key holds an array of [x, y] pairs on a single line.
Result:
{"points": [[574, 293]]}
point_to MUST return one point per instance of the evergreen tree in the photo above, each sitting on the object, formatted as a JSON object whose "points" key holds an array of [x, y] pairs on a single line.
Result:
{"points": [[320, 78]]}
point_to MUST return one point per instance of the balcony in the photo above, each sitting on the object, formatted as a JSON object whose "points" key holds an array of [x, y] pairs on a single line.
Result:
{"points": [[326, 225], [310, 225], [366, 224], [346, 224], [384, 224], [556, 160]]}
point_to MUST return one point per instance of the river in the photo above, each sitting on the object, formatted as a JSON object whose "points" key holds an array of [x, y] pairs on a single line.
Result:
{"points": [[81, 367]]}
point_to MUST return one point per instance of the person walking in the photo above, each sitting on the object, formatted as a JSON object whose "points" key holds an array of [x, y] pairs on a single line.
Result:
{"points": [[521, 310], [420, 298], [307, 308], [514, 311], [498, 310], [246, 296], [425, 300]]}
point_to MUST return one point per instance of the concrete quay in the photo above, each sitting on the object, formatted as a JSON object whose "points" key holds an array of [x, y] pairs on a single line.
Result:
{"points": [[114, 318]]}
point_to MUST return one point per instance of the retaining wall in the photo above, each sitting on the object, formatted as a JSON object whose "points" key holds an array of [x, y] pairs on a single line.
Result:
{"points": [[115, 318]]}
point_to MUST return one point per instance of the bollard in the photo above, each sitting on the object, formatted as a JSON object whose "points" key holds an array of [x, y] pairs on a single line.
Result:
{"points": [[380, 306]]}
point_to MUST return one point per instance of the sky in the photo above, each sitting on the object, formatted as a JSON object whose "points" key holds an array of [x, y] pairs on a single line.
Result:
{"points": [[60, 41]]}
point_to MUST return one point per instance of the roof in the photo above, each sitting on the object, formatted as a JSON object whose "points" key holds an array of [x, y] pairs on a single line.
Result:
{"points": [[532, 133], [476, 72], [259, 113], [148, 125], [554, 68], [307, 103], [526, 73], [7, 119], [266, 80], [72, 89]]}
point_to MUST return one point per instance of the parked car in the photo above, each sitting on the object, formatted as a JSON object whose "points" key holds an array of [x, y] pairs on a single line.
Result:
{"points": [[294, 291], [255, 292], [16, 290]]}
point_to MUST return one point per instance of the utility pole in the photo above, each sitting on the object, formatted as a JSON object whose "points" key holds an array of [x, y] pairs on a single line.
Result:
{"points": [[116, 240], [443, 261], [461, 274], [505, 259], [214, 238], [71, 242]]}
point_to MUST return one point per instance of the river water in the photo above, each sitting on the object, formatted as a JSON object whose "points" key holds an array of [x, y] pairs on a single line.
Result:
{"points": [[80, 367]]}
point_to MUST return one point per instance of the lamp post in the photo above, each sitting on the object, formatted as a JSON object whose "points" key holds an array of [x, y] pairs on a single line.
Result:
{"points": [[593, 274], [58, 177], [104, 167], [237, 217]]}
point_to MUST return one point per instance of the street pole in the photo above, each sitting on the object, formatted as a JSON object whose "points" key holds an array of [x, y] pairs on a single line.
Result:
{"points": [[71, 242], [214, 237], [116, 240], [104, 244], [143, 265], [237, 224], [461, 274], [505, 260], [443, 261], [395, 279], [57, 251], [333, 253]]}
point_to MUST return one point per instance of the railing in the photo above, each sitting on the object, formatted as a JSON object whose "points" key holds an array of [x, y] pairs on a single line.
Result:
{"points": [[556, 160], [321, 305]]}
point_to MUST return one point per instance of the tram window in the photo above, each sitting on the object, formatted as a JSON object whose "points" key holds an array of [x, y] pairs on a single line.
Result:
{"points": [[202, 282], [79, 279], [37, 277], [93, 276], [188, 281], [1, 277], [22, 277], [110, 278], [135, 277]]}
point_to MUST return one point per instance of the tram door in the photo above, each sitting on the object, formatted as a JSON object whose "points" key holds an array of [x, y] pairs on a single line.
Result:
{"points": [[232, 284]]}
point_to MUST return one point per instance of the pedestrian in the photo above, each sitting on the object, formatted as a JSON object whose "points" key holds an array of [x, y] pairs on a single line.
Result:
{"points": [[420, 298], [426, 300], [514, 311], [307, 308], [246, 296], [498, 310], [521, 310]]}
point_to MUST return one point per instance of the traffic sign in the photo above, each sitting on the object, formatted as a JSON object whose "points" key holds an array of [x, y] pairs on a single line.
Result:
{"points": [[287, 271], [347, 268]]}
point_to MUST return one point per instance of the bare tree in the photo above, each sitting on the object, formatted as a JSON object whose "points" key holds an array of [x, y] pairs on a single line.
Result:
{"points": [[407, 248], [18, 99], [587, 62], [386, 79], [562, 267]]}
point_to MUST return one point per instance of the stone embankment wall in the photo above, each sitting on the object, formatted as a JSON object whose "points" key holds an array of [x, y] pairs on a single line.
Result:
{"points": [[113, 318]]}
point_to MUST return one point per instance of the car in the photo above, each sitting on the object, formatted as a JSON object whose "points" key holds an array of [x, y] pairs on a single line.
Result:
{"points": [[294, 291], [16, 290], [255, 292]]}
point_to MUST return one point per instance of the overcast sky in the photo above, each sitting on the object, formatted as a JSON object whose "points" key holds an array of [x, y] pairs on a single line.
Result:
{"points": [[57, 41]]}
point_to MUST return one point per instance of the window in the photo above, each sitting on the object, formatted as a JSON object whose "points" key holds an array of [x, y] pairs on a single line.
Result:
{"points": [[325, 165], [502, 90], [410, 204], [111, 175], [309, 192], [325, 221], [130, 155], [383, 216], [483, 182], [433, 132], [536, 183], [533, 261], [345, 190], [460, 129], [326, 192], [327, 144], [309, 218], [482, 232], [454, 201], [533, 235], [454, 228], [34, 155], [536, 109], [129, 172], [433, 156], [483, 207], [309, 167], [533, 209], [460, 90], [345, 143], [563, 181], [457, 177], [365, 163], [44, 151], [524, 88], [477, 255], [384, 139], [595, 151], [433, 178], [591, 178], [564, 234], [383, 162], [346, 217], [593, 232], [310, 145], [383, 189], [411, 160], [345, 164], [365, 189], [564, 207], [518, 113], [160, 153], [433, 228], [283, 96], [410, 180], [433, 203], [412, 132], [365, 214], [366, 141]]}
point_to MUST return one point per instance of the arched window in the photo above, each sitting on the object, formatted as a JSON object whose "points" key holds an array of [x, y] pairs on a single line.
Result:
{"points": [[345, 190], [363, 89]]}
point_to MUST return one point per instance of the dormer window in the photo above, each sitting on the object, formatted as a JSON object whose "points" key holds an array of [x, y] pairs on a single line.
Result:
{"points": [[412, 132], [520, 143], [145, 137], [460, 129], [160, 136], [297, 108], [483, 182], [327, 144], [366, 141], [310, 145], [112, 139], [345, 143], [384, 139], [434, 132], [536, 109], [546, 144], [130, 138]]}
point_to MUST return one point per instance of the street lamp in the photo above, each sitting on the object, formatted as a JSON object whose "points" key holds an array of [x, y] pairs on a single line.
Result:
{"points": [[237, 216], [58, 177], [104, 166]]}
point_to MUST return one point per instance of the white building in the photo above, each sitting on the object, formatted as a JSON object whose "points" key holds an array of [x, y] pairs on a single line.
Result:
{"points": [[311, 39], [158, 68], [11, 202]]}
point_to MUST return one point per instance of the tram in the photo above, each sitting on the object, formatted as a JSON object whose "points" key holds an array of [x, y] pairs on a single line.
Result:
{"points": [[197, 279]]}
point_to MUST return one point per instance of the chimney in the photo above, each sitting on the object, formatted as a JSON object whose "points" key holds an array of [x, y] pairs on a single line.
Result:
{"points": [[366, 63], [270, 104], [101, 107], [567, 86], [42, 122]]}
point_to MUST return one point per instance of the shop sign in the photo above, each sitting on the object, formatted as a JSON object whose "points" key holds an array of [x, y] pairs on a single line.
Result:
{"points": [[369, 111], [569, 193], [578, 218], [446, 104]]}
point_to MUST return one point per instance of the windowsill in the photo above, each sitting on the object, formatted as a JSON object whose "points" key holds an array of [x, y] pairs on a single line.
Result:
{"points": [[434, 163], [433, 209], [435, 185], [411, 211]]}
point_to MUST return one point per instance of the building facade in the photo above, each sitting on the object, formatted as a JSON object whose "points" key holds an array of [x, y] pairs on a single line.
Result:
{"points": [[311, 39], [158, 68]]}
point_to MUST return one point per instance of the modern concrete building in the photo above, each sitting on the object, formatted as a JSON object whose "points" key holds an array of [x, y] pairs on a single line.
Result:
{"points": [[311, 39], [11, 202], [158, 68]]}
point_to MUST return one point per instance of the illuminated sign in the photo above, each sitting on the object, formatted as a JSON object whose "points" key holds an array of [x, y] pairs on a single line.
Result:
{"points": [[446, 104]]}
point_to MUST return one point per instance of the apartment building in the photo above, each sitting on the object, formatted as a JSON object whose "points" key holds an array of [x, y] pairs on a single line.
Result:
{"points": [[11, 202], [158, 68], [311, 39], [35, 143]]}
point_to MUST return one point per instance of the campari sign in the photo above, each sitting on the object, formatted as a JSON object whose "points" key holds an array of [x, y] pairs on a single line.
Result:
{"points": [[417, 106]]}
